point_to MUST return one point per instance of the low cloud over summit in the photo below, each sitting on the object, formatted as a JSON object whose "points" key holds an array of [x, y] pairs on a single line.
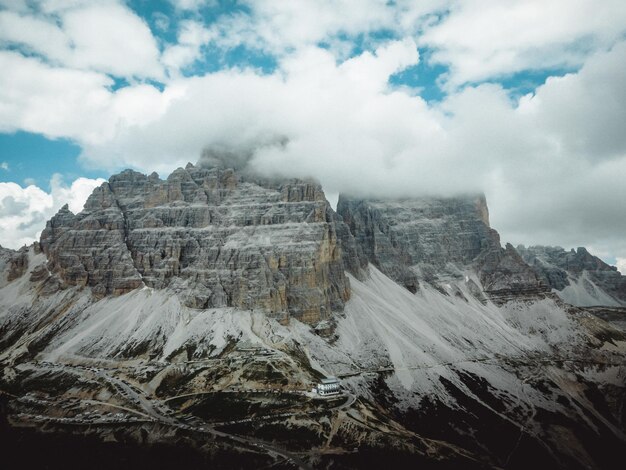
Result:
{"points": [[529, 109]]}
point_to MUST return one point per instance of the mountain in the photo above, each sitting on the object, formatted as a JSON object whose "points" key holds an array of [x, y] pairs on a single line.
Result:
{"points": [[439, 240], [577, 276], [216, 238], [190, 318]]}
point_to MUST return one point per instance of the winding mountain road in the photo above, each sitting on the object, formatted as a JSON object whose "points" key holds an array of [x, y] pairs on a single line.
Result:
{"points": [[154, 412]]}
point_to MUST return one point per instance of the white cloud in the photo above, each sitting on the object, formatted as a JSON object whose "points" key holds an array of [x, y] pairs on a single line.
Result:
{"points": [[62, 102], [15, 5], [621, 265], [104, 36], [477, 39], [243, 108], [112, 39], [4, 166], [374, 69], [481, 39], [585, 110], [277, 26], [24, 211], [35, 34], [161, 21], [343, 124], [192, 35], [54, 101], [56, 6]]}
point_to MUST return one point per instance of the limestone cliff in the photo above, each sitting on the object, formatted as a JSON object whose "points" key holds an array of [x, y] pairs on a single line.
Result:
{"points": [[435, 240], [578, 276], [13, 264], [213, 236]]}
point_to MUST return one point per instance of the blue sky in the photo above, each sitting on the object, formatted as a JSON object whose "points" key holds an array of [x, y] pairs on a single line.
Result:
{"points": [[33, 159], [518, 99]]}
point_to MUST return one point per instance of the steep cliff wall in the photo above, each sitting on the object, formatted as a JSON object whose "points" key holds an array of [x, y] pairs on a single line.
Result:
{"points": [[578, 276], [215, 237], [437, 239]]}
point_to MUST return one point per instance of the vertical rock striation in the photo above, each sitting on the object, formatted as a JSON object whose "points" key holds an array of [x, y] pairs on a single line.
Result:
{"points": [[435, 240], [214, 236]]}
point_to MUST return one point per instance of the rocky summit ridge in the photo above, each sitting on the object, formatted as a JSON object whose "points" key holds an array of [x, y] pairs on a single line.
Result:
{"points": [[215, 237], [576, 275], [439, 240], [219, 237]]}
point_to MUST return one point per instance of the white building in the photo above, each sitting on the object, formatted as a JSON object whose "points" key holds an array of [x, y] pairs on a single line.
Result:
{"points": [[329, 386]]}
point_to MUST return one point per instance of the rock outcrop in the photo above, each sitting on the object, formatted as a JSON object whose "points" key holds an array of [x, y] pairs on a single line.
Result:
{"points": [[217, 237], [577, 275], [435, 240], [214, 236], [13, 263]]}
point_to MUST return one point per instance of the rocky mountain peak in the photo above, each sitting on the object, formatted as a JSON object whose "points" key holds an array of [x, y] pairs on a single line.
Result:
{"points": [[436, 239], [213, 236], [218, 237], [578, 276]]}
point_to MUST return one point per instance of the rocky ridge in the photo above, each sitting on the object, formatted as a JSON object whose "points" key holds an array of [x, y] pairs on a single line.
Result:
{"points": [[437, 240], [13, 264], [215, 237], [219, 237], [577, 270]]}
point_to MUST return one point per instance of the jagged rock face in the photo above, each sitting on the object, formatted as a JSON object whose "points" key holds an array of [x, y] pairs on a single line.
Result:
{"points": [[433, 231], [434, 239], [13, 263], [215, 237], [505, 276], [560, 268], [90, 249], [6, 256]]}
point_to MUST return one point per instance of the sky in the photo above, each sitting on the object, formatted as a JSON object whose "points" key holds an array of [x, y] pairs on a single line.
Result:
{"points": [[524, 100]]}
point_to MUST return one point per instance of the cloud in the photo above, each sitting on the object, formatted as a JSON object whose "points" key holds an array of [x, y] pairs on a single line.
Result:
{"points": [[104, 37], [552, 163], [112, 39], [566, 176], [278, 27], [24, 211], [621, 265], [192, 35], [12, 207], [17, 5], [4, 166], [64, 102], [243, 109], [34, 34], [585, 110], [53, 101], [477, 39], [482, 39], [161, 21]]}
